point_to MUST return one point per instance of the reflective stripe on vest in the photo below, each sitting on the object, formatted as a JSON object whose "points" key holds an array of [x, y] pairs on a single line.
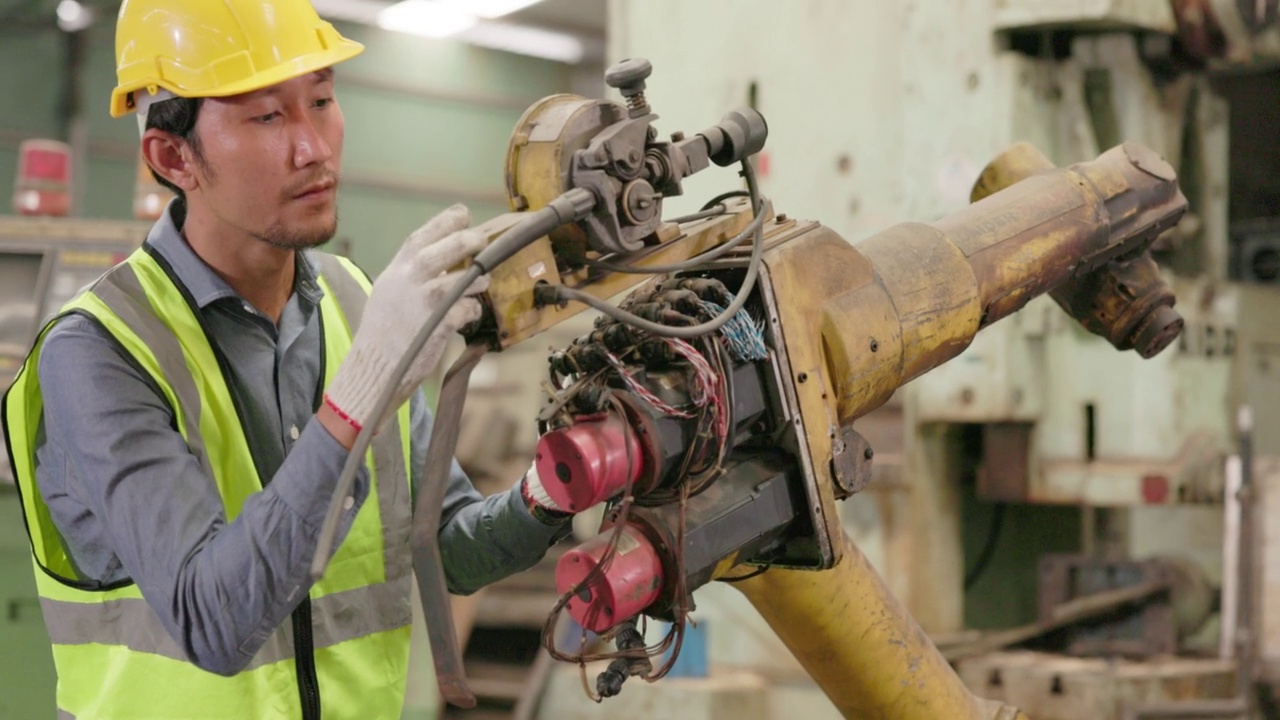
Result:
{"points": [[113, 655]]}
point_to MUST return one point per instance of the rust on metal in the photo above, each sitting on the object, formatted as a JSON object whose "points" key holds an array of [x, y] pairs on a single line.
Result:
{"points": [[1112, 286], [851, 462]]}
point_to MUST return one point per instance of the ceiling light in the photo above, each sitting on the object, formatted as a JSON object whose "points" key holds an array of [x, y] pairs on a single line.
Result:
{"points": [[425, 18], [73, 17], [488, 9], [526, 40], [364, 12]]}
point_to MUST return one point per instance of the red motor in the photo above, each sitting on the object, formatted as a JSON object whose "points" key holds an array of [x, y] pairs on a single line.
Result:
{"points": [[588, 462], [632, 582]]}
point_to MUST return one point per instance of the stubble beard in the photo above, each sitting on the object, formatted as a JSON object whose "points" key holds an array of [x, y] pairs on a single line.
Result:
{"points": [[279, 236], [304, 238]]}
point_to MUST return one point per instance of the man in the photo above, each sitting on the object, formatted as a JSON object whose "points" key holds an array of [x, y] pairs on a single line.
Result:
{"points": [[178, 429]]}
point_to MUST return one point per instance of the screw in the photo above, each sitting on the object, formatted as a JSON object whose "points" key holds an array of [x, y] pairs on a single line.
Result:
{"points": [[874, 345], [868, 453], [802, 377]]}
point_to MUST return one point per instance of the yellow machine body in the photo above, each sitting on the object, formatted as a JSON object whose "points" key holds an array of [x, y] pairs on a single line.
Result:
{"points": [[850, 323]]}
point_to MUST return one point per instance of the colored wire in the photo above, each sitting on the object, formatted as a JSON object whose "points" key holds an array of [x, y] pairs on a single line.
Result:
{"points": [[562, 293]]}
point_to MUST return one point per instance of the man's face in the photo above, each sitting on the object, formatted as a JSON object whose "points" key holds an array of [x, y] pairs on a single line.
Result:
{"points": [[270, 161]]}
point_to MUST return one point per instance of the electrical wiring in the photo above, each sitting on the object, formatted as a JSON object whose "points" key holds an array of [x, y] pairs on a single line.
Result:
{"points": [[555, 294], [710, 393], [715, 211], [673, 638], [724, 196], [752, 229]]}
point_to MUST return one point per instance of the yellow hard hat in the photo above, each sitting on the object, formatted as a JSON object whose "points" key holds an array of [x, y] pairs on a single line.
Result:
{"points": [[216, 48]]}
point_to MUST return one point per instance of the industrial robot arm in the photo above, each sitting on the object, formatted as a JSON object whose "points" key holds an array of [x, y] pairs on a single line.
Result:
{"points": [[713, 411]]}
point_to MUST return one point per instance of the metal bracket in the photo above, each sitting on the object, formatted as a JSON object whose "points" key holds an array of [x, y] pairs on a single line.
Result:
{"points": [[850, 462]]}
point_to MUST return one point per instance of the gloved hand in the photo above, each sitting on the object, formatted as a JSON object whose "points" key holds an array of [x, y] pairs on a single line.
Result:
{"points": [[540, 504], [402, 299]]}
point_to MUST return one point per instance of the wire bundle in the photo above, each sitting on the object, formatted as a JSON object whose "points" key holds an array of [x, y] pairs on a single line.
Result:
{"points": [[640, 391], [710, 394], [742, 335]]}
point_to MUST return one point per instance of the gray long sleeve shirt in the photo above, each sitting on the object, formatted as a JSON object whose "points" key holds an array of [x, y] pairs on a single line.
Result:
{"points": [[133, 503]]}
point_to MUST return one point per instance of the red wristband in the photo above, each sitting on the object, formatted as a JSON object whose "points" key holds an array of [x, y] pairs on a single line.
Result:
{"points": [[342, 414]]}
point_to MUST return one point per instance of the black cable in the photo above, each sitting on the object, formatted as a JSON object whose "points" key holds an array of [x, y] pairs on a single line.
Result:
{"points": [[988, 547], [562, 293], [724, 196], [739, 578]]}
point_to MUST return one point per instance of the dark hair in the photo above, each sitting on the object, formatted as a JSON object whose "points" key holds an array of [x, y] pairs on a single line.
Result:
{"points": [[176, 116]]}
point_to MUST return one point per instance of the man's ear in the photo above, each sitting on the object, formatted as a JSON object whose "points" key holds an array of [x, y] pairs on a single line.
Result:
{"points": [[171, 158]]}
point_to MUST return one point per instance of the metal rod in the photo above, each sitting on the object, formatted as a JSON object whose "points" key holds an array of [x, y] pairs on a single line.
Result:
{"points": [[1073, 611], [1244, 640], [1230, 557]]}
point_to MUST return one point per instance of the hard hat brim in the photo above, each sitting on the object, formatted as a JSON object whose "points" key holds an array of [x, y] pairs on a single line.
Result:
{"points": [[288, 70]]}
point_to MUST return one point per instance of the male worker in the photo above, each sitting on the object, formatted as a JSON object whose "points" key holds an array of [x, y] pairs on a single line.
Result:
{"points": [[178, 430]]}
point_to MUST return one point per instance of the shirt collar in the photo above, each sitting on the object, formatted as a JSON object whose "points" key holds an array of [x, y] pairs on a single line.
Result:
{"points": [[202, 282]]}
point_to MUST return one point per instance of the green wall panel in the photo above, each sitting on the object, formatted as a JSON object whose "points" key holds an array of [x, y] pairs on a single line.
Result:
{"points": [[8, 168], [29, 100], [376, 223], [436, 142], [27, 679], [1004, 595], [109, 188]]}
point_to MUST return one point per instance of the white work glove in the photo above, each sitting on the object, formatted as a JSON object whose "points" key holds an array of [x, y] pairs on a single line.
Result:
{"points": [[539, 503], [403, 298]]}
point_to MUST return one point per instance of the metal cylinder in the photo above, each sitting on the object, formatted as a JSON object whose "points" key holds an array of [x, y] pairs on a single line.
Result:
{"points": [[627, 585], [1119, 296], [588, 462], [912, 297], [860, 645]]}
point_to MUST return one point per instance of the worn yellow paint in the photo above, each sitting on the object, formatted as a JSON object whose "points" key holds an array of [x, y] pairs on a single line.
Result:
{"points": [[859, 644], [855, 322]]}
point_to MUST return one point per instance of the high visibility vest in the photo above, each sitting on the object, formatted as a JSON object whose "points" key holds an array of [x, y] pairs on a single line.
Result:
{"points": [[114, 658]]}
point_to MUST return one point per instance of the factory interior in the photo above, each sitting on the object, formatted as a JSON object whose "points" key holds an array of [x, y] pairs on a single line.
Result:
{"points": [[889, 360]]}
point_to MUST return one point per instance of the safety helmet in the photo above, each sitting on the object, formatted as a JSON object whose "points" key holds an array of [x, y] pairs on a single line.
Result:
{"points": [[216, 48]]}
